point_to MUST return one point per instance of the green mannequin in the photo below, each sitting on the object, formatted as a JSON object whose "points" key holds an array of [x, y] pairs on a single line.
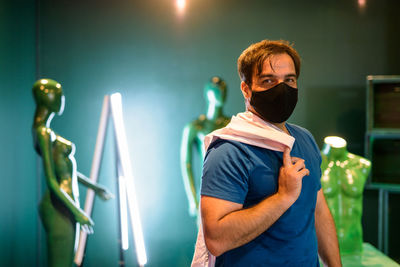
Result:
{"points": [[343, 179], [194, 133], [59, 208]]}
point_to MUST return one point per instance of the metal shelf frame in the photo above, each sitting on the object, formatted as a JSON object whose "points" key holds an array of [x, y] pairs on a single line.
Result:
{"points": [[372, 134]]}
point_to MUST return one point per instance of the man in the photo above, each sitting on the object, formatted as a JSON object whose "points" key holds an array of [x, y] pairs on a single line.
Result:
{"points": [[259, 206]]}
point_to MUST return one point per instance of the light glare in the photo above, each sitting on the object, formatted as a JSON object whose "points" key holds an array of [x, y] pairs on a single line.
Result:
{"points": [[181, 4], [335, 141]]}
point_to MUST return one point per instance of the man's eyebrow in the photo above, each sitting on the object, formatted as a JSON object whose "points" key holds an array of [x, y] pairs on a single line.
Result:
{"points": [[268, 75]]}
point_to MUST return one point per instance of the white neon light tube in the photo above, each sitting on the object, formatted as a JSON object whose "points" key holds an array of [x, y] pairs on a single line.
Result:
{"points": [[123, 211], [116, 108]]}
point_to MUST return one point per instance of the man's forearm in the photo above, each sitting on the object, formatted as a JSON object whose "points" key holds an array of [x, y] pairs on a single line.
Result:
{"points": [[328, 247], [227, 225], [243, 225]]}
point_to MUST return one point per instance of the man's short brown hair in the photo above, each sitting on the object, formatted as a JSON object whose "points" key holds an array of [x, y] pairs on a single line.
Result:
{"points": [[252, 59]]}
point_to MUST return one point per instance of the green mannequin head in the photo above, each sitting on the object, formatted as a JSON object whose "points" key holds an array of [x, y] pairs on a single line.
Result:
{"points": [[215, 91], [48, 93]]}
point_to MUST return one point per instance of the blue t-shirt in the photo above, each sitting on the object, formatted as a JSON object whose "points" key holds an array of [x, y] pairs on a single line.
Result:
{"points": [[248, 174]]}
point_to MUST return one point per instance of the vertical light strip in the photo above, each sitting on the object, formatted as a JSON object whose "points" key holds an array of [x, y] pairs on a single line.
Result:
{"points": [[123, 211], [94, 173], [116, 108]]}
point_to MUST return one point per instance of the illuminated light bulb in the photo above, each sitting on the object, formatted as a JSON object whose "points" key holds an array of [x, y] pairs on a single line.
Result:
{"points": [[44, 81], [181, 4]]}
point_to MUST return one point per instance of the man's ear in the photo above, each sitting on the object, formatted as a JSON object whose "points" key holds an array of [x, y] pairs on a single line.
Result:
{"points": [[246, 91]]}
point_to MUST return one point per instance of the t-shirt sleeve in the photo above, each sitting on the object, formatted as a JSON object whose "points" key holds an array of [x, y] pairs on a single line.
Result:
{"points": [[226, 171], [314, 151]]}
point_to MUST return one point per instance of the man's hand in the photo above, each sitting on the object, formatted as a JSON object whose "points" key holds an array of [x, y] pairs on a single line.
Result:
{"points": [[291, 176]]}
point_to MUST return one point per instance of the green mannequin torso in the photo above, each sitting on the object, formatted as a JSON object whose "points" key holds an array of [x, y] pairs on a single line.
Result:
{"points": [[343, 179], [203, 126], [59, 223], [193, 137]]}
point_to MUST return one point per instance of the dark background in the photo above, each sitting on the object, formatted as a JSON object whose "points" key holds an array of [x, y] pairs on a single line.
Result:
{"points": [[160, 60]]}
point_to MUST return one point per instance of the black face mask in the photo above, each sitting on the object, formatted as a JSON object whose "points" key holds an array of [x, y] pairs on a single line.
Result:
{"points": [[275, 104]]}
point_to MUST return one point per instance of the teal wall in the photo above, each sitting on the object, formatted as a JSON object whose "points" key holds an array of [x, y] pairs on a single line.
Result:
{"points": [[160, 61], [18, 224]]}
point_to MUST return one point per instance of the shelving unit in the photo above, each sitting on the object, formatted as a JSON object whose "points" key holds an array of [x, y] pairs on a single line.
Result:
{"points": [[382, 145]]}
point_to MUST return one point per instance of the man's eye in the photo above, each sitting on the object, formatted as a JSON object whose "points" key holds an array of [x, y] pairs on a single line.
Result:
{"points": [[268, 81], [290, 80]]}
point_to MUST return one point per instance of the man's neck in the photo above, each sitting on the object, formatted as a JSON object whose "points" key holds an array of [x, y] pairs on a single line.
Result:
{"points": [[280, 125]]}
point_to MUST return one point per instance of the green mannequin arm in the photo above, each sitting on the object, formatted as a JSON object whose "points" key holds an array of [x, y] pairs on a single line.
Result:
{"points": [[188, 139], [45, 136], [100, 190]]}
